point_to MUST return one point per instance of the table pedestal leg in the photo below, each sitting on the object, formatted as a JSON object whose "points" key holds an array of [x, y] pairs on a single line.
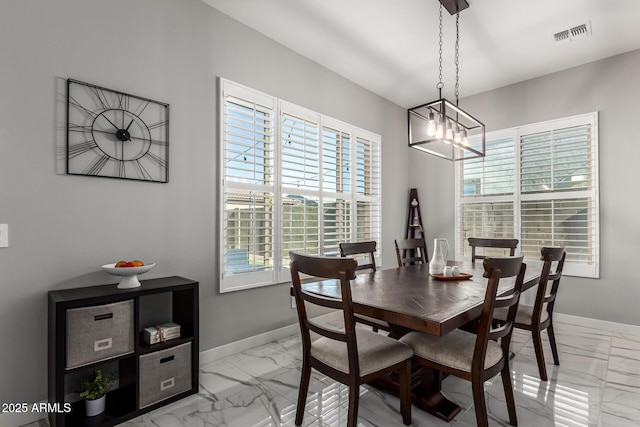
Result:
{"points": [[428, 395], [426, 392]]}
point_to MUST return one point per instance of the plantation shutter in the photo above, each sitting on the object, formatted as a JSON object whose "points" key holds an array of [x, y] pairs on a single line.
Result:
{"points": [[300, 178], [337, 189], [367, 189], [300, 152], [248, 187], [558, 194], [486, 189]]}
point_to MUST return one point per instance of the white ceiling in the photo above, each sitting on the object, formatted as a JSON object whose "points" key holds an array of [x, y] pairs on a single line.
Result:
{"points": [[391, 46]]}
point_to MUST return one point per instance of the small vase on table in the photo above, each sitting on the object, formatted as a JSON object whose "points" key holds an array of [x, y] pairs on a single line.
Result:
{"points": [[440, 253]]}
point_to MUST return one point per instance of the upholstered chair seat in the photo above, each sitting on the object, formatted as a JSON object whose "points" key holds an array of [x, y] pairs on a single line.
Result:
{"points": [[524, 316], [375, 352], [454, 350]]}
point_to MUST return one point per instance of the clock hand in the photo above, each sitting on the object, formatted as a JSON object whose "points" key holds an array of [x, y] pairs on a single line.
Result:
{"points": [[126, 131], [107, 132], [110, 122], [102, 131]]}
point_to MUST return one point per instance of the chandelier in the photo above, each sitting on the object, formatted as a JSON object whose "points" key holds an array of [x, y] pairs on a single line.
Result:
{"points": [[441, 127]]}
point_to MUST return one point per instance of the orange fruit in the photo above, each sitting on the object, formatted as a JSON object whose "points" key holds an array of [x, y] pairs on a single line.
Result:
{"points": [[120, 264], [137, 263]]}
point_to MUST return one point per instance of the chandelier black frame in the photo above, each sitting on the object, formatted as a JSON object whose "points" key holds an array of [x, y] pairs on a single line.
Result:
{"points": [[441, 127]]}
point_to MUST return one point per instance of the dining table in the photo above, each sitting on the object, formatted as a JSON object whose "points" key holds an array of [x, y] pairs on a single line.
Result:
{"points": [[410, 299]]}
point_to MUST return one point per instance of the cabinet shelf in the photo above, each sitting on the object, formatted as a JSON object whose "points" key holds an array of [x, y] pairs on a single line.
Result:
{"points": [[169, 299], [119, 407], [150, 348], [97, 364]]}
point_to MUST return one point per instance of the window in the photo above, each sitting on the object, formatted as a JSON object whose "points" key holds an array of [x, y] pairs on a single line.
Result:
{"points": [[538, 183], [292, 179]]}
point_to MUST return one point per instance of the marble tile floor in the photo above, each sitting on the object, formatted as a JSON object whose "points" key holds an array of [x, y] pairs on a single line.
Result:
{"points": [[597, 384]]}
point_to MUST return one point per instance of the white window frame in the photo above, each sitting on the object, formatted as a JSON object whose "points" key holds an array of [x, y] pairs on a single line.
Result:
{"points": [[570, 269], [280, 272]]}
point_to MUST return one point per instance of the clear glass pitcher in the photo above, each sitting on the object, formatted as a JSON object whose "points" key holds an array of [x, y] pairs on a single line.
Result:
{"points": [[439, 257]]}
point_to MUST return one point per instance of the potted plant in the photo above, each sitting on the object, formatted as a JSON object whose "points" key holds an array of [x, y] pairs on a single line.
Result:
{"points": [[94, 391]]}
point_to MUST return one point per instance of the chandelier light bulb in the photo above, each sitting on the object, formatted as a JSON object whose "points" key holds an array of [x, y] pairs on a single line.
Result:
{"points": [[448, 133], [440, 128], [457, 137], [465, 140], [431, 125]]}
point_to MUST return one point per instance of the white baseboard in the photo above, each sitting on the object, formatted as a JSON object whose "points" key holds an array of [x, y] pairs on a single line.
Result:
{"points": [[213, 354], [225, 350], [603, 325]]}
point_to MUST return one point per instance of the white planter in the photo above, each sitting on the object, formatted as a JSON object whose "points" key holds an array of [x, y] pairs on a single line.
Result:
{"points": [[96, 406]]}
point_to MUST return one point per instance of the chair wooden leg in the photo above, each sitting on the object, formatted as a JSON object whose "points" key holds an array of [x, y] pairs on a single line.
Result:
{"points": [[302, 393], [354, 397], [482, 419], [508, 394], [554, 348], [537, 345], [405, 392]]}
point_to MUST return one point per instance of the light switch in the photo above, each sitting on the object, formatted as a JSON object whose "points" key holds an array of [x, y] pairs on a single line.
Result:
{"points": [[4, 235]]}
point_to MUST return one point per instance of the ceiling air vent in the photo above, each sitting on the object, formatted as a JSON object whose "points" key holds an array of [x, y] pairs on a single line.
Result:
{"points": [[573, 33], [562, 36]]}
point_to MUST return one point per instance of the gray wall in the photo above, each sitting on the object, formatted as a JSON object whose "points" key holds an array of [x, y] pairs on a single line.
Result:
{"points": [[62, 228], [612, 88]]}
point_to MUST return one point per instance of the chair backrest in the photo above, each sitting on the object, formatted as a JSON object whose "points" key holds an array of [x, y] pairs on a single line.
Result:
{"points": [[359, 248], [496, 269], [487, 242], [411, 251], [342, 269], [549, 255]]}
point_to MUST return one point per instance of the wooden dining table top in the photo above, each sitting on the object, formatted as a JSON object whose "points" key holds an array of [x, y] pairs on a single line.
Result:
{"points": [[409, 298]]}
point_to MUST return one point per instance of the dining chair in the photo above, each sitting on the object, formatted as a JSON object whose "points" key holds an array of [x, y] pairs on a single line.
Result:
{"points": [[539, 317], [349, 355], [365, 248], [486, 242], [411, 251], [360, 248], [478, 358]]}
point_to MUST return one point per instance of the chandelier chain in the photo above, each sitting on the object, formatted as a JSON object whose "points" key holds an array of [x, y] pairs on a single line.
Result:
{"points": [[440, 84], [457, 58]]}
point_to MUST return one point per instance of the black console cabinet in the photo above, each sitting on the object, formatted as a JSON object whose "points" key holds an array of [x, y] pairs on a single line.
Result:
{"points": [[101, 327]]}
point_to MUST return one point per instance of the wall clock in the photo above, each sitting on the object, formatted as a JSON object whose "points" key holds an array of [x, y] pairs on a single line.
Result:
{"points": [[116, 135]]}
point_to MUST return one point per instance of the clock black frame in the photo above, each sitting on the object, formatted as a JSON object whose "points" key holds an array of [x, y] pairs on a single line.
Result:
{"points": [[114, 134]]}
